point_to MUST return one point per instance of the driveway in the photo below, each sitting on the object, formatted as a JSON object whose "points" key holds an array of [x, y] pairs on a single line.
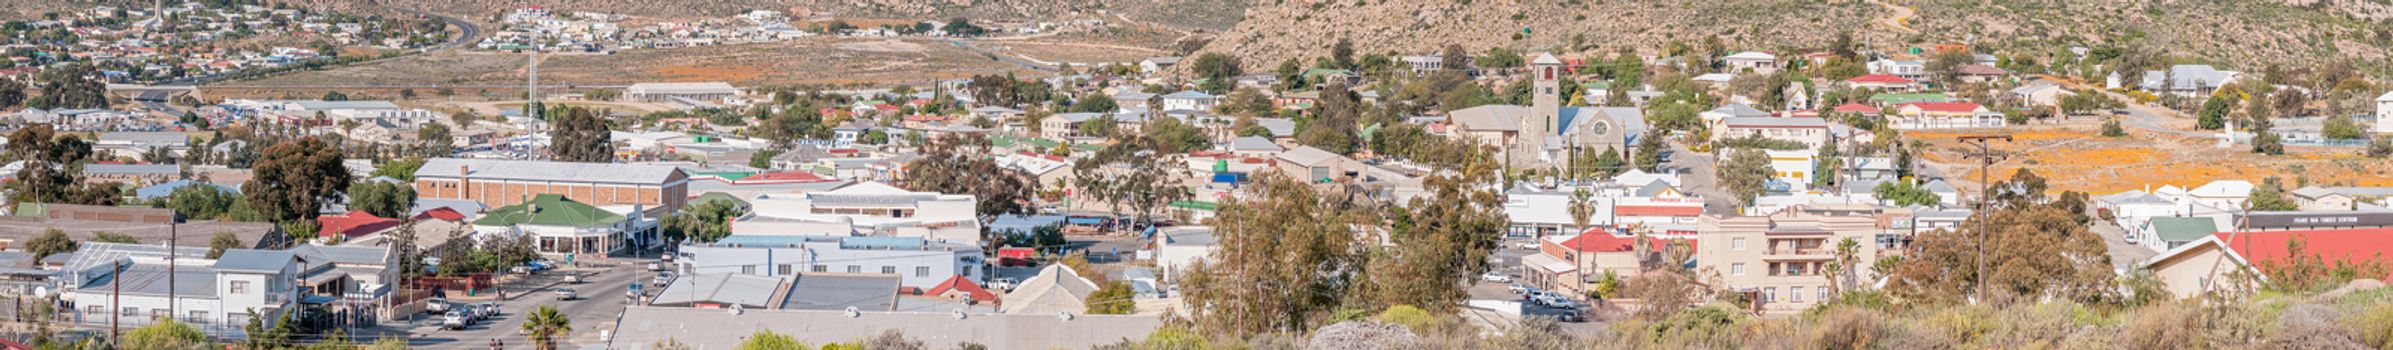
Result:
{"points": [[1695, 171], [2122, 255]]}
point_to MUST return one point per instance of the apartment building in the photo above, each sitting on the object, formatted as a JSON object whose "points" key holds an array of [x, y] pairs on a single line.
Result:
{"points": [[868, 208], [1780, 260], [917, 262]]}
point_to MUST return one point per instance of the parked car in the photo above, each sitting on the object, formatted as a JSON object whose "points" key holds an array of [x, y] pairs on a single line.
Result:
{"points": [[1495, 276], [1550, 298], [2130, 238], [663, 278], [455, 320], [564, 293], [653, 266], [1530, 245], [436, 305], [1004, 283], [573, 279], [489, 310], [1516, 288]]}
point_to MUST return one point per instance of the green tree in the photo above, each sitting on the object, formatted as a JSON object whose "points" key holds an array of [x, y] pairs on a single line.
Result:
{"points": [[1169, 135], [436, 140], [1283, 257], [2034, 252], [2266, 141], [12, 93], [1101, 126], [112, 237], [1745, 174], [167, 334], [2213, 114], [50, 242], [223, 241], [2342, 128], [383, 199], [201, 201], [1114, 299], [965, 165], [763, 159], [1215, 69], [294, 179], [2111, 128], [544, 324], [2271, 196], [703, 223], [767, 340], [581, 135], [1903, 193], [1649, 151], [402, 168]]}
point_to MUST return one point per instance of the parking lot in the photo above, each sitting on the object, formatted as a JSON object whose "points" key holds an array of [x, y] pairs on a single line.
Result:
{"points": [[601, 300]]}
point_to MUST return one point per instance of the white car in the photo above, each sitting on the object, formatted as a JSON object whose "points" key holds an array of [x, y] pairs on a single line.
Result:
{"points": [[1531, 245], [1003, 283], [1495, 276], [565, 294], [436, 305], [455, 320]]}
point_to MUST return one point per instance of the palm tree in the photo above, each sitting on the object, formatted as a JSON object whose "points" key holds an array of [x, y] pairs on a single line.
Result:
{"points": [[544, 325], [1582, 208], [1840, 272]]}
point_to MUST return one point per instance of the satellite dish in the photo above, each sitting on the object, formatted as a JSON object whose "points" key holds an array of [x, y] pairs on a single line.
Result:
{"points": [[958, 313], [1067, 316], [852, 313]]}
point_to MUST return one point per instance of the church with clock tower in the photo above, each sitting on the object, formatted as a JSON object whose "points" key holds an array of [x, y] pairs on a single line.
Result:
{"points": [[1550, 131]]}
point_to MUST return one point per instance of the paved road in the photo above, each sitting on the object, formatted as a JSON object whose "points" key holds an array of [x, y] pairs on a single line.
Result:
{"points": [[2122, 255], [1696, 171], [598, 309], [1000, 56]]}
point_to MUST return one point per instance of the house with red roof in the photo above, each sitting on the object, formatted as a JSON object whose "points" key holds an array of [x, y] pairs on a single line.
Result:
{"points": [[1944, 115], [441, 213], [960, 288], [1572, 264], [352, 224], [2220, 261], [1856, 108], [1882, 82]]}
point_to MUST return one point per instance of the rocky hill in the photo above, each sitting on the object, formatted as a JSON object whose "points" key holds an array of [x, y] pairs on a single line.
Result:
{"points": [[2238, 33]]}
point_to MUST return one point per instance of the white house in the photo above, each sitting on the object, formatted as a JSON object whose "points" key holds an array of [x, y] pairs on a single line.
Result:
{"points": [[917, 262], [867, 208], [1792, 170], [1754, 61], [1154, 65], [1190, 100], [1177, 247], [1907, 69], [132, 284], [2384, 113]]}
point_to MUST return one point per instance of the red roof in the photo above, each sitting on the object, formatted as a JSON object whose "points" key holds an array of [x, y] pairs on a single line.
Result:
{"points": [[1597, 241], [1943, 107], [786, 176], [443, 213], [353, 223], [1658, 210], [2347, 245], [1879, 79], [1855, 108], [970, 290]]}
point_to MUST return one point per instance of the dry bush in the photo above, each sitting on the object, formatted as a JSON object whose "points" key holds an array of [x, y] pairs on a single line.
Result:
{"points": [[1363, 335], [2373, 326], [2160, 326], [893, 340], [1535, 334], [2310, 326], [1846, 328]]}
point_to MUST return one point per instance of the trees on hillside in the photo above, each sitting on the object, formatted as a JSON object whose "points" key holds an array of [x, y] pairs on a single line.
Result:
{"points": [[580, 135], [1745, 174], [1216, 70], [2031, 252], [294, 179]]}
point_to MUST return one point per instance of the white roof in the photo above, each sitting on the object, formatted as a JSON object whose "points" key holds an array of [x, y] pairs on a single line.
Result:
{"points": [[1254, 143], [1546, 58], [2388, 97], [1307, 155], [1753, 55], [1716, 77], [1550, 264], [2223, 188]]}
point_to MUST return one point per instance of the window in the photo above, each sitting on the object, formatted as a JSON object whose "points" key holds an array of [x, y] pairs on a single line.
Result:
{"points": [[821, 268], [1736, 269], [160, 314], [1823, 293], [198, 316], [94, 310], [1736, 243], [240, 287], [1795, 294], [888, 270], [1769, 294], [855, 269], [748, 269], [785, 269], [922, 271], [130, 311]]}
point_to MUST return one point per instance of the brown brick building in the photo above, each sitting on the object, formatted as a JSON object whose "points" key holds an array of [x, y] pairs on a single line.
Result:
{"points": [[498, 183]]}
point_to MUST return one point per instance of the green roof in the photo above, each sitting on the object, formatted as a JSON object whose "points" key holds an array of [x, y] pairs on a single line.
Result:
{"points": [[1597, 85], [549, 210], [2176, 229], [718, 196], [1895, 98], [1198, 205], [1010, 141]]}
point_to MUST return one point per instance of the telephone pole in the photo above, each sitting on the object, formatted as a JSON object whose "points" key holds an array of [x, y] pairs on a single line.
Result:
{"points": [[1985, 200]]}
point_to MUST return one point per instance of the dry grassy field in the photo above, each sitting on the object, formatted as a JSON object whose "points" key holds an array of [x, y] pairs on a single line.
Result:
{"points": [[819, 61], [2078, 158]]}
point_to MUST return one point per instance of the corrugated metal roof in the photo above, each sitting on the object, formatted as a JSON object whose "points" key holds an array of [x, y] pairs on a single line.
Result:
{"points": [[570, 172], [253, 260]]}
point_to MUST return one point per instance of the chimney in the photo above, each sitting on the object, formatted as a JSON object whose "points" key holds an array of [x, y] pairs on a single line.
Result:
{"points": [[465, 185]]}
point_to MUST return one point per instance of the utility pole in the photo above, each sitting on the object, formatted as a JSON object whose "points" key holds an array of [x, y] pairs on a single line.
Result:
{"points": [[116, 298], [531, 88], [174, 232], [1985, 198]]}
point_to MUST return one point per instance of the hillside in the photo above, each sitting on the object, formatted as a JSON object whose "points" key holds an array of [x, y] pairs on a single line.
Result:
{"points": [[2238, 33]]}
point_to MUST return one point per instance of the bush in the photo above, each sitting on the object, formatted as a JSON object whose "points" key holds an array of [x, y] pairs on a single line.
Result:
{"points": [[1408, 316], [1847, 328]]}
